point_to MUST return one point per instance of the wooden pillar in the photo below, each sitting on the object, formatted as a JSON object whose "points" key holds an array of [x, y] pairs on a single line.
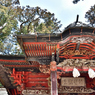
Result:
{"points": [[53, 68], [54, 90], [57, 54]]}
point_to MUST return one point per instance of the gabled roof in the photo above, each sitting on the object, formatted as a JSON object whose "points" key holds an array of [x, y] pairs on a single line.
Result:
{"points": [[78, 24], [75, 25]]}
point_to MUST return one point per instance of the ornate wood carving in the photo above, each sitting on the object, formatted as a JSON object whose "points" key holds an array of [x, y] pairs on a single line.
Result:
{"points": [[81, 39], [36, 92], [44, 68], [53, 66], [77, 52], [75, 90], [77, 62], [60, 90]]}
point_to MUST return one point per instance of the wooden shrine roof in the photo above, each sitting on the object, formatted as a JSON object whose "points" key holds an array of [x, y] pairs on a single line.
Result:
{"points": [[56, 37], [17, 61], [76, 28]]}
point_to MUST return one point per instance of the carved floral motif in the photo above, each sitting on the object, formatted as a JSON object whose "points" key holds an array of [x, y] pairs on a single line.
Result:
{"points": [[42, 92], [77, 52], [53, 66], [75, 90], [60, 90], [81, 39], [77, 62], [44, 68]]}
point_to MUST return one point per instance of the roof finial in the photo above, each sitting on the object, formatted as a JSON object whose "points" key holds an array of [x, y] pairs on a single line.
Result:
{"points": [[77, 18]]}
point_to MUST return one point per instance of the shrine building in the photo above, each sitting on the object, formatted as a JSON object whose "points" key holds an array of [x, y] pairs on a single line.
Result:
{"points": [[52, 64]]}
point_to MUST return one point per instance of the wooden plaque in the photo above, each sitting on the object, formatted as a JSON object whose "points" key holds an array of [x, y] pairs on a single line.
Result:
{"points": [[70, 81]]}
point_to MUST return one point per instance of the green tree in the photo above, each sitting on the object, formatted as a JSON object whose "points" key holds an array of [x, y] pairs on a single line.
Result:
{"points": [[10, 46], [32, 17], [1, 47], [9, 3], [90, 16], [8, 21], [43, 29]]}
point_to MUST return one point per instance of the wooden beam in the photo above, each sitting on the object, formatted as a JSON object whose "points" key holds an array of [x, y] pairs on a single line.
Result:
{"points": [[21, 66], [21, 44]]}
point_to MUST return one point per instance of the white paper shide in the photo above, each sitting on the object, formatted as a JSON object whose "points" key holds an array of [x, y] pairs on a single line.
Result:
{"points": [[76, 73], [91, 73]]}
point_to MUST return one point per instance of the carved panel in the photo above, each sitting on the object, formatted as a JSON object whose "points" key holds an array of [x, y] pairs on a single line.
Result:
{"points": [[76, 94], [36, 92], [69, 81], [81, 39], [79, 90], [77, 52], [77, 62], [44, 68], [75, 90]]}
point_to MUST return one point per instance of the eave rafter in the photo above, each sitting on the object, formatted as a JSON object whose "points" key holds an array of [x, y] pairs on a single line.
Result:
{"points": [[39, 48]]}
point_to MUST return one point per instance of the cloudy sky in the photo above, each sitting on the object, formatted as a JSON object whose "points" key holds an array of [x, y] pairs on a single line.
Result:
{"points": [[64, 10]]}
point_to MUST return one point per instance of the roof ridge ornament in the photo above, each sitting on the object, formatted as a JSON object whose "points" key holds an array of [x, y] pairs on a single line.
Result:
{"points": [[77, 19]]}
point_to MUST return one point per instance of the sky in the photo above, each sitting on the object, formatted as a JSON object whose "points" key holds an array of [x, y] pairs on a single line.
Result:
{"points": [[64, 10]]}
